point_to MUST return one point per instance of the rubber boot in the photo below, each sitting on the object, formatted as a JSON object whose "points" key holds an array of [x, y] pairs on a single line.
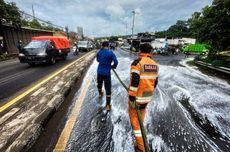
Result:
{"points": [[108, 107], [108, 103]]}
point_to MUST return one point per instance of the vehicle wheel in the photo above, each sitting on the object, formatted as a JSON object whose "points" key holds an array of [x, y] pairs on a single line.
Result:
{"points": [[52, 60], [31, 64]]}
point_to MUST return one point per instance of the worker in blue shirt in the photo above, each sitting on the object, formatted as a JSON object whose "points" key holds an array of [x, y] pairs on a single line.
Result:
{"points": [[105, 57]]}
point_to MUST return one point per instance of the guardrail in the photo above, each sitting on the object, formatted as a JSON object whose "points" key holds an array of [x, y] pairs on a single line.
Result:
{"points": [[217, 68]]}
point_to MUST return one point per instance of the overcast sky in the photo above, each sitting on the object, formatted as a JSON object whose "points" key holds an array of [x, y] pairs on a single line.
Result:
{"points": [[110, 17]]}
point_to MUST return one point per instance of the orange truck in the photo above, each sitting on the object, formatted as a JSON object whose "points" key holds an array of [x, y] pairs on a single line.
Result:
{"points": [[45, 49]]}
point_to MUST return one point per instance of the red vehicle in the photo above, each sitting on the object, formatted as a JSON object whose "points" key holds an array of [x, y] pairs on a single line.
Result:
{"points": [[43, 49]]}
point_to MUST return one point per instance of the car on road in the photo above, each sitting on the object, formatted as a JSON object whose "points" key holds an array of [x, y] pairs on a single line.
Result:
{"points": [[126, 46], [163, 51], [85, 46], [45, 49]]}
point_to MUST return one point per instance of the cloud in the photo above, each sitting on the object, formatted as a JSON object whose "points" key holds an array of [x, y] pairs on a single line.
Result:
{"points": [[109, 17], [115, 11]]}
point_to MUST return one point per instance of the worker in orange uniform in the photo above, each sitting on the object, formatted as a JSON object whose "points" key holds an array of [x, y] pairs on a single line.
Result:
{"points": [[144, 79]]}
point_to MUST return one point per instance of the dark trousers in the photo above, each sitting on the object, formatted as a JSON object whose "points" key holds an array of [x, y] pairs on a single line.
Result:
{"points": [[107, 84]]}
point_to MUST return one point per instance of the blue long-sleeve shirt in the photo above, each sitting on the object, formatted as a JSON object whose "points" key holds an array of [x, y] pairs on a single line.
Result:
{"points": [[105, 57]]}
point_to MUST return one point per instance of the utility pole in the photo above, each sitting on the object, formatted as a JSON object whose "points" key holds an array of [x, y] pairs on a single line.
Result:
{"points": [[133, 29], [33, 11], [133, 22], [126, 28]]}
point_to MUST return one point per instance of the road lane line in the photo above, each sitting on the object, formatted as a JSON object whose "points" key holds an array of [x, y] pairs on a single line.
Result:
{"points": [[16, 75], [66, 132], [37, 85]]}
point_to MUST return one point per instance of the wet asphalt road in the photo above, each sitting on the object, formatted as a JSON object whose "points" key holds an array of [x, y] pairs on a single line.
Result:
{"points": [[189, 112], [16, 77]]}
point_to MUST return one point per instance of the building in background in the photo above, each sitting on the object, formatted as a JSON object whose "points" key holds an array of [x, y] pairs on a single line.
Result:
{"points": [[80, 32], [189, 40], [181, 41]]}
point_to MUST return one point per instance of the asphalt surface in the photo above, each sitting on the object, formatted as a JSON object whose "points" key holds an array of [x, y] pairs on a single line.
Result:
{"points": [[189, 112], [15, 77]]}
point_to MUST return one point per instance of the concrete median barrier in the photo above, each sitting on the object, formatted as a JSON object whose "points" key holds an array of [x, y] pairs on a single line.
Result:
{"points": [[21, 125]]}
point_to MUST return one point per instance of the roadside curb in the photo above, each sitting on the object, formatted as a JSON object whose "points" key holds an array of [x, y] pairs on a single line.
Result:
{"points": [[11, 57], [37, 108], [210, 66]]}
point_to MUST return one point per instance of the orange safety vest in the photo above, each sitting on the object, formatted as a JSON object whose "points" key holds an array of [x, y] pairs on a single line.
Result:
{"points": [[144, 74]]}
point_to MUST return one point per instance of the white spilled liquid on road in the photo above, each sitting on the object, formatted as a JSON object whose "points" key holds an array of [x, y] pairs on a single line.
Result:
{"points": [[170, 126]]}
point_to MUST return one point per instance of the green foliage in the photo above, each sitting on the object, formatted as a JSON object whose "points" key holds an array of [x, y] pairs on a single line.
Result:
{"points": [[25, 23], [113, 38], [211, 26], [180, 29], [35, 24], [9, 14], [161, 34], [218, 60]]}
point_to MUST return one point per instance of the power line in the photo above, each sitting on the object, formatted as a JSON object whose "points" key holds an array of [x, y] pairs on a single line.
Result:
{"points": [[47, 22]]}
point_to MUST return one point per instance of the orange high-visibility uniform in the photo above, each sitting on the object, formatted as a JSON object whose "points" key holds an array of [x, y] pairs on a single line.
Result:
{"points": [[144, 78]]}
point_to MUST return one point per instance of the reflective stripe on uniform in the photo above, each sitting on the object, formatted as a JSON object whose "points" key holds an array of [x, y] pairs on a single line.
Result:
{"points": [[133, 88], [135, 71], [148, 77], [137, 133], [143, 99]]}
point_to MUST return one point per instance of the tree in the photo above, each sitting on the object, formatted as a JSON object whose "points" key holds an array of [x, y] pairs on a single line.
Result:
{"points": [[113, 38], [180, 29], [211, 26], [9, 14], [25, 23], [35, 24], [161, 34]]}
